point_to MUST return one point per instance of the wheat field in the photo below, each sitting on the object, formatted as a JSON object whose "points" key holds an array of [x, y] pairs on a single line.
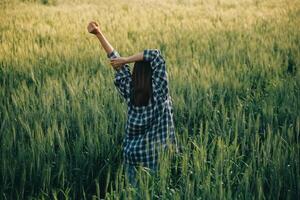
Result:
{"points": [[233, 68]]}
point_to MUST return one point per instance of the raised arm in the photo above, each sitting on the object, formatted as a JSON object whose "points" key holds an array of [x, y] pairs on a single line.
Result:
{"points": [[123, 75], [159, 73], [94, 28], [158, 65]]}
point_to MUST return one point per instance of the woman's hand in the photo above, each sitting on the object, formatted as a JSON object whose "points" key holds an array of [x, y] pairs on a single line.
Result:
{"points": [[93, 28], [118, 62]]}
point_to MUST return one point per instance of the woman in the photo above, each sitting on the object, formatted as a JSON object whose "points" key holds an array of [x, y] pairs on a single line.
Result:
{"points": [[149, 126]]}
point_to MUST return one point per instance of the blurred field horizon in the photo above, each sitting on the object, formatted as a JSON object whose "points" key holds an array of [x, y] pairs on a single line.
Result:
{"points": [[233, 68]]}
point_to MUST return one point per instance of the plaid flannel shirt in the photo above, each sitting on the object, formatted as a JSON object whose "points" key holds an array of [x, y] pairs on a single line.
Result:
{"points": [[148, 128]]}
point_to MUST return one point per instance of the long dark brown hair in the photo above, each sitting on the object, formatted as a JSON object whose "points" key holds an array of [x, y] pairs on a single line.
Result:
{"points": [[141, 85]]}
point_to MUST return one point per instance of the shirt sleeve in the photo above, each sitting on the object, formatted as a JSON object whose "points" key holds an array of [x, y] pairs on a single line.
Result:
{"points": [[159, 73], [122, 78]]}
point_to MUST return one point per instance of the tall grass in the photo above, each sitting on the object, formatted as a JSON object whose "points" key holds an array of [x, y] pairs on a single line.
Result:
{"points": [[234, 80]]}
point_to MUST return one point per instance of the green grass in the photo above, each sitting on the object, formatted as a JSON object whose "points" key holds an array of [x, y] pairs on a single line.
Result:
{"points": [[233, 71]]}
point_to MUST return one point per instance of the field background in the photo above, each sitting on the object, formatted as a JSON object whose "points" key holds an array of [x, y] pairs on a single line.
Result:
{"points": [[233, 69]]}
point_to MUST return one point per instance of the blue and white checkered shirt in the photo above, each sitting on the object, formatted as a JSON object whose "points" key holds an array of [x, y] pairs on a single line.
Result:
{"points": [[150, 126]]}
